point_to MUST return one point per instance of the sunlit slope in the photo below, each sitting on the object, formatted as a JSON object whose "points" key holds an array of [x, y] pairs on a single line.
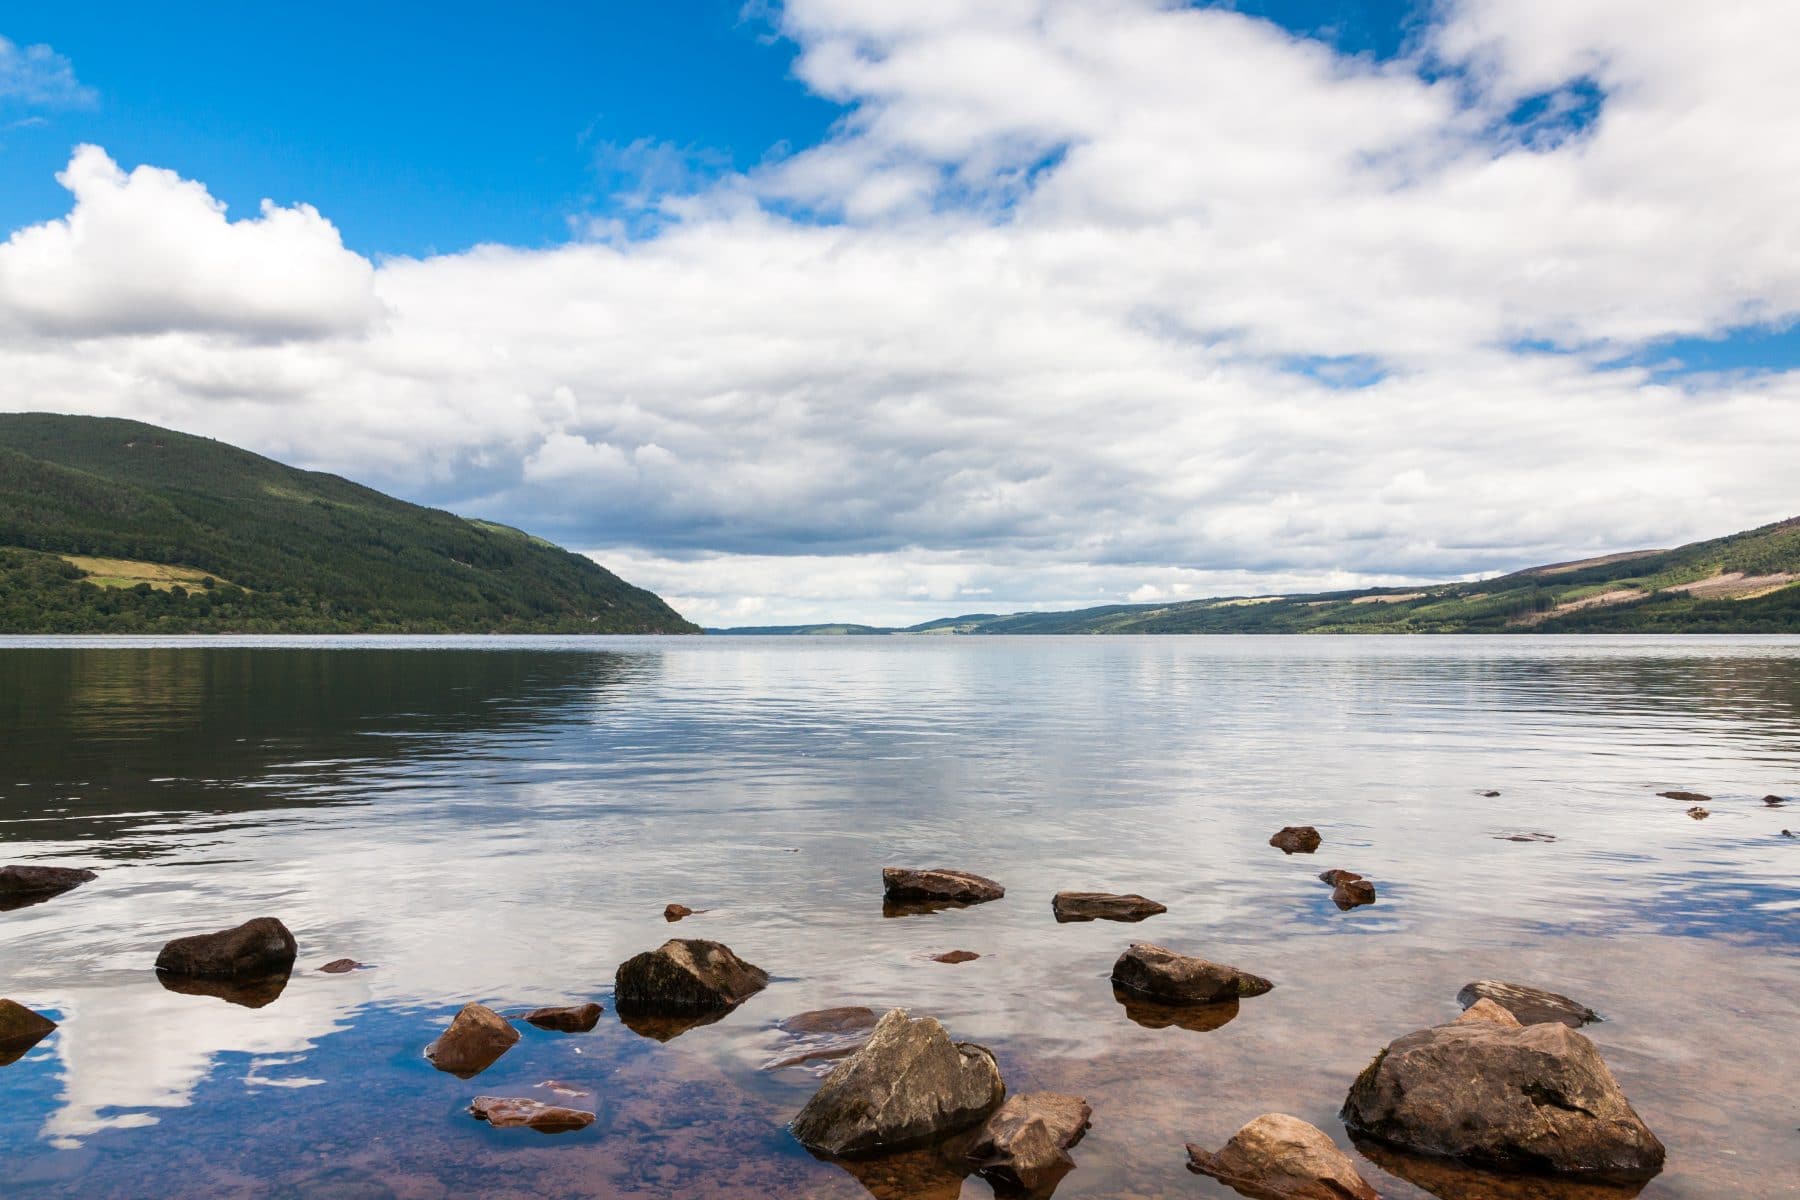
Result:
{"points": [[116, 526]]}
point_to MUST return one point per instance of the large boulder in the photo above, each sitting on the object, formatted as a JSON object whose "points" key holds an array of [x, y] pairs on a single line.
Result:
{"points": [[1103, 906], [28, 884], [1532, 1006], [1296, 839], [20, 1030], [1278, 1157], [908, 1084], [686, 977], [509, 1112], [262, 946], [1491, 1093], [1158, 973], [906, 885], [474, 1042], [1024, 1147], [566, 1018]]}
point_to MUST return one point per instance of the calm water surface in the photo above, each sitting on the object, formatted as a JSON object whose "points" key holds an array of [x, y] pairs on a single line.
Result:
{"points": [[504, 820]]}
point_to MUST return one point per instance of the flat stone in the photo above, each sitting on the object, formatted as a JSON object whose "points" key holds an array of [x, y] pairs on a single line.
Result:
{"points": [[569, 1018], [510, 1112], [909, 1084], [1278, 1157], [20, 1030], [258, 947], [1532, 1006], [907, 885], [1296, 839], [1103, 906], [1528, 1099], [685, 976], [1158, 973], [23, 879], [955, 956], [474, 1042], [1024, 1146], [340, 966], [1687, 797]]}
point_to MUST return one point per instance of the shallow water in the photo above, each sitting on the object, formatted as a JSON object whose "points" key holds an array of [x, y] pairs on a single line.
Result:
{"points": [[504, 820]]}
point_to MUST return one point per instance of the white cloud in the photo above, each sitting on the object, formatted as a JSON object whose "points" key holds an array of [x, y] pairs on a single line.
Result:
{"points": [[39, 77], [1088, 322]]}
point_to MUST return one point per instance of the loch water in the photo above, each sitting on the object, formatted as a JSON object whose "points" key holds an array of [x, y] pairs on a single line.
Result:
{"points": [[504, 820]]}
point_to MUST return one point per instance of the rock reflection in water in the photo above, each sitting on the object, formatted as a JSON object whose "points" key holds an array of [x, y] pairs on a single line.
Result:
{"points": [[920, 908], [255, 992], [933, 1172], [1451, 1181], [1201, 1018], [665, 1028]]}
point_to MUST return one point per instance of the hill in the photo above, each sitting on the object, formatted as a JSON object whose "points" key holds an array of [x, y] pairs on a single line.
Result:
{"points": [[1746, 583], [115, 526]]}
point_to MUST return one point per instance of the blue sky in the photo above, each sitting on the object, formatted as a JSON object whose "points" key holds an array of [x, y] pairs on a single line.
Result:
{"points": [[843, 309]]}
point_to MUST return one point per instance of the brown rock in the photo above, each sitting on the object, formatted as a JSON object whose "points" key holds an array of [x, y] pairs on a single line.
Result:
{"points": [[1532, 1006], [24, 884], [20, 1030], [1490, 794], [1278, 1157], [258, 947], [340, 966], [1160, 974], [1024, 1147], [1774, 801], [909, 1084], [571, 1018], [1103, 906], [474, 1042], [955, 956], [509, 1112], [1353, 893], [1698, 813], [1296, 839], [1336, 876], [1534, 1099], [684, 977], [1486, 1010], [905, 885], [675, 912], [1687, 797]]}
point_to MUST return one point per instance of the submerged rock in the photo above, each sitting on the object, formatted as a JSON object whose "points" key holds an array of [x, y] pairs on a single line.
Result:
{"points": [[1024, 1147], [508, 1112], [340, 966], [1526, 837], [1296, 839], [1153, 1014], [20, 1030], [474, 1042], [909, 886], [955, 956], [1687, 797], [822, 1036], [24, 884], [1532, 1006], [1103, 906], [571, 1018], [908, 1084], [1158, 973], [1278, 1157], [1530, 1098], [1451, 1180], [262, 946], [686, 976]]}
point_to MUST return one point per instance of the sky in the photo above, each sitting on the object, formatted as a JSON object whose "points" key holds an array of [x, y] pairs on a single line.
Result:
{"points": [[848, 310]]}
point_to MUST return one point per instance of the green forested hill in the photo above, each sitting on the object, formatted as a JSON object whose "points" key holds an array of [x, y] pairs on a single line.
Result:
{"points": [[115, 526], [1746, 583]]}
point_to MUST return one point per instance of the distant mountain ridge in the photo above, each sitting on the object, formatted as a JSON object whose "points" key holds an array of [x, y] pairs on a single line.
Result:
{"points": [[1746, 583], [109, 525]]}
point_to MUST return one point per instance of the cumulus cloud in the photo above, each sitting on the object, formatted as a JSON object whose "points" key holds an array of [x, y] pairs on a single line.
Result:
{"points": [[149, 252], [39, 77], [1080, 302]]}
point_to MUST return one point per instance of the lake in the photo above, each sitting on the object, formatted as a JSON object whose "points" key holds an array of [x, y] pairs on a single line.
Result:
{"points": [[504, 820]]}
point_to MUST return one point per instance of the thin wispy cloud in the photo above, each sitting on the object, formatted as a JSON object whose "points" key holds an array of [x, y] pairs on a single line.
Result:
{"points": [[37, 76]]}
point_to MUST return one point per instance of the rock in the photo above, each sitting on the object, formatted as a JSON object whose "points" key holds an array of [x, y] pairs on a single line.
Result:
{"points": [[1353, 893], [1198, 1018], [340, 966], [910, 1083], [1486, 1010], [251, 991], [1687, 797], [1698, 813], [26, 884], [955, 956], [1526, 837], [1450, 1180], [571, 1018], [1278, 1157], [1490, 794], [1787, 833], [1157, 973], [1774, 801], [1532, 1006], [1024, 1147], [824, 1035], [508, 1112], [904, 885], [1534, 1099], [1336, 876], [685, 977], [675, 912], [474, 1042], [1103, 906], [258, 947], [20, 1030], [1296, 839]]}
